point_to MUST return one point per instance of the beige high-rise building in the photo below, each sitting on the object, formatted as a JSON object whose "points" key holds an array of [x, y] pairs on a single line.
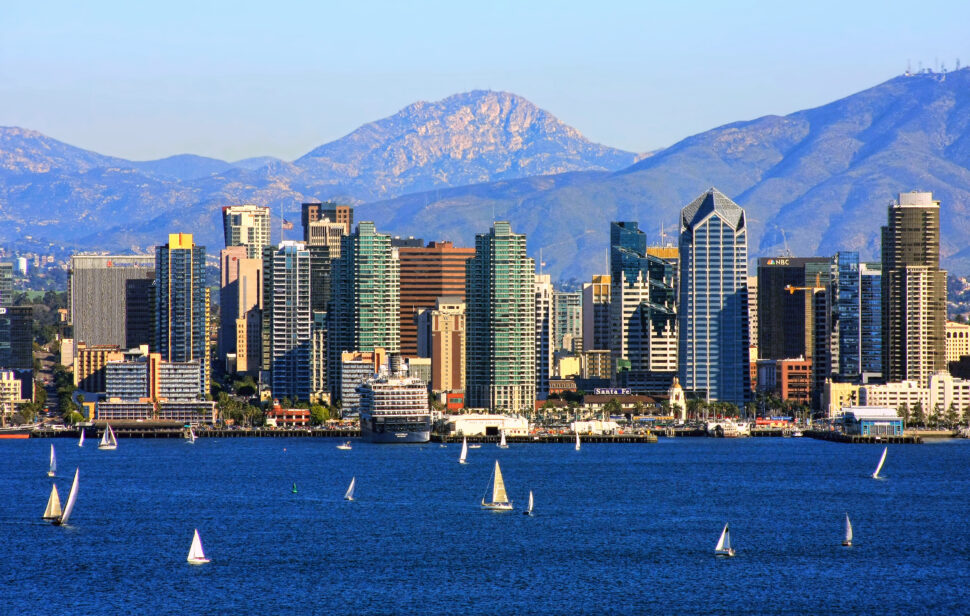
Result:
{"points": [[596, 313], [913, 291], [240, 294], [446, 333], [545, 340]]}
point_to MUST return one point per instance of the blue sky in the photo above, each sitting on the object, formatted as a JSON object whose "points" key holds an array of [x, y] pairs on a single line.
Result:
{"points": [[240, 79]]}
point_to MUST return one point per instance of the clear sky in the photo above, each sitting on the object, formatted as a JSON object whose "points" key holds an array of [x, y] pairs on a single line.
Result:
{"points": [[240, 79]]}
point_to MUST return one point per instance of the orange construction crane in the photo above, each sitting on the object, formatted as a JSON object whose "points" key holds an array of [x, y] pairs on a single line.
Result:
{"points": [[815, 289]]}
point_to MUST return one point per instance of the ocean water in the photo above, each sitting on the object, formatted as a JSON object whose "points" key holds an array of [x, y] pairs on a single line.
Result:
{"points": [[618, 529]]}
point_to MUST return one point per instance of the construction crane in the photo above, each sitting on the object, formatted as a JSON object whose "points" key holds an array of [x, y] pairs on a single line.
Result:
{"points": [[814, 289]]}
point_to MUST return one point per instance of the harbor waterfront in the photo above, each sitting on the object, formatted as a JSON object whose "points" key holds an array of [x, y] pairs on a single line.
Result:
{"points": [[617, 529]]}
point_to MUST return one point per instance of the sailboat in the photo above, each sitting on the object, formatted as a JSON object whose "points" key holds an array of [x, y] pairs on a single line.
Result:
{"points": [[53, 509], [577, 441], [464, 451], [108, 440], [500, 500], [529, 510], [190, 437], [350, 490], [69, 507], [502, 444], [80, 441], [847, 542], [196, 555], [294, 488], [53, 466], [882, 461], [723, 547], [346, 446]]}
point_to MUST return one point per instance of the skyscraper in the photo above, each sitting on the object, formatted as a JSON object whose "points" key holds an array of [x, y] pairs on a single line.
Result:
{"points": [[112, 299], [240, 292], [643, 307], [545, 334], [714, 299], [786, 319], [247, 225], [324, 246], [914, 290], [567, 319], [182, 304], [596, 314], [500, 340], [427, 273], [287, 300], [856, 348], [441, 336], [366, 298], [6, 284]]}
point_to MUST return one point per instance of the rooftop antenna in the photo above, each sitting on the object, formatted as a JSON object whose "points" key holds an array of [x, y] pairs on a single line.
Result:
{"points": [[785, 239], [958, 64]]}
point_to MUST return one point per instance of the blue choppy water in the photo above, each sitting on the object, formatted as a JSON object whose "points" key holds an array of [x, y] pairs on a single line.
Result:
{"points": [[619, 529]]}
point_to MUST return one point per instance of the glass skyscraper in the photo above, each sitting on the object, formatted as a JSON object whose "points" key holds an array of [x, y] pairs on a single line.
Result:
{"points": [[713, 353], [182, 304], [857, 312], [288, 302], [500, 322]]}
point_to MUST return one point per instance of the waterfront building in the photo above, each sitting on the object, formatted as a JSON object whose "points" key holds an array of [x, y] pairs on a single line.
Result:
{"points": [[714, 355], [545, 352], [485, 424], [913, 290], [940, 393], [567, 308], [182, 304], [836, 396], [596, 313], [957, 341], [240, 293], [247, 225], [366, 298], [11, 393], [427, 273], [287, 319], [355, 369], [441, 336], [312, 212], [789, 379], [112, 299], [643, 305], [89, 365], [500, 320], [871, 421]]}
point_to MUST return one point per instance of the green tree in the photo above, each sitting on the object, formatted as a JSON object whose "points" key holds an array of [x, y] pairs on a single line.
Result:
{"points": [[612, 407], [73, 417], [29, 411], [951, 416], [246, 387], [318, 414], [903, 411], [919, 416], [934, 419]]}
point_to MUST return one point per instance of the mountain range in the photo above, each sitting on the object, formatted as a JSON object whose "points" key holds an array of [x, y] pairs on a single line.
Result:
{"points": [[812, 182]]}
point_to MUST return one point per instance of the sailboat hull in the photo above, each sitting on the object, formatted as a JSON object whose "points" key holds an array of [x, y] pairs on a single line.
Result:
{"points": [[107, 447], [497, 506], [847, 544], [50, 473], [198, 561], [724, 553]]}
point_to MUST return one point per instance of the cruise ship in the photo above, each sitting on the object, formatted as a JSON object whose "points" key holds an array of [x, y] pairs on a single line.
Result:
{"points": [[394, 410]]}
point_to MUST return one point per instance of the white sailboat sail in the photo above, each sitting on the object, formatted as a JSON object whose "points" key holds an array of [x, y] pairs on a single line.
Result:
{"points": [[577, 441], [529, 510], [723, 547], [848, 531], [502, 444], [191, 436], [53, 463], [53, 509], [882, 461], [196, 555], [108, 440], [80, 441], [350, 490], [71, 499], [464, 451]]}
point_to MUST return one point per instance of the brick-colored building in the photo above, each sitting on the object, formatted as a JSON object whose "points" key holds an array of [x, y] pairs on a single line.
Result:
{"points": [[790, 379], [428, 273], [89, 363]]}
